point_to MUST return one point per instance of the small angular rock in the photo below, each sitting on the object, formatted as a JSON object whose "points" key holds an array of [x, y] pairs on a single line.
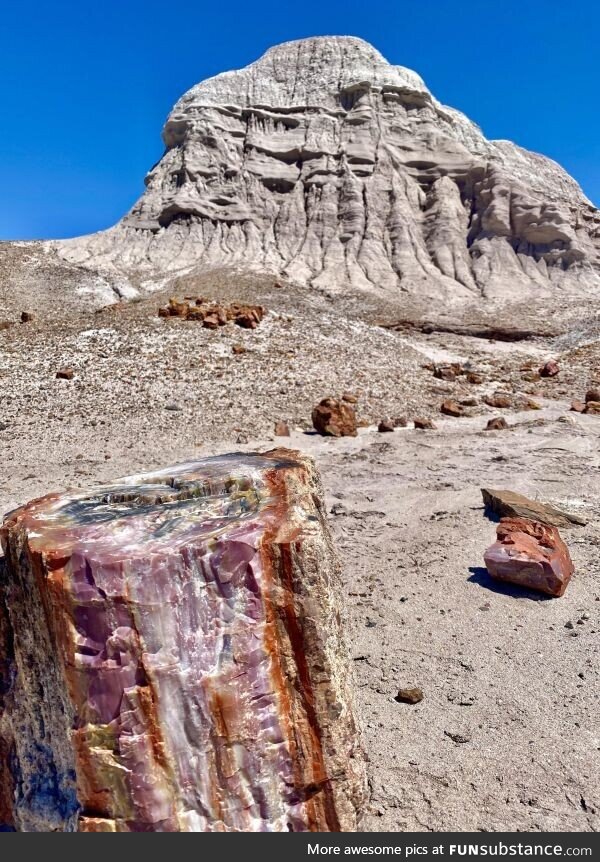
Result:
{"points": [[27, 316], [592, 407], [498, 423], [334, 418], [423, 424], [452, 408], [385, 426], [409, 695], [592, 395], [530, 554], [578, 406], [447, 372], [282, 429], [550, 369], [65, 374], [499, 400]]}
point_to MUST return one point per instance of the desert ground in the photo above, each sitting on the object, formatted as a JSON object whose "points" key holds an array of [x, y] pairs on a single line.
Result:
{"points": [[506, 736]]}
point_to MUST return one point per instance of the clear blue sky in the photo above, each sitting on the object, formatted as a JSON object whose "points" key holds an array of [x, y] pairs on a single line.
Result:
{"points": [[85, 86]]}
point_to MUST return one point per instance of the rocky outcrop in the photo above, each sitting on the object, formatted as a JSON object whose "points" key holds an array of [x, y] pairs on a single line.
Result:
{"points": [[323, 162], [213, 314], [530, 554], [171, 658]]}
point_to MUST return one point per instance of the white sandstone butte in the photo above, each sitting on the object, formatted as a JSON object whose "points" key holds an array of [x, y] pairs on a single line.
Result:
{"points": [[323, 163]]}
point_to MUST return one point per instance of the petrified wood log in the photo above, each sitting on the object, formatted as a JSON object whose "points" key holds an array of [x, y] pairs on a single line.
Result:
{"points": [[530, 554], [172, 657]]}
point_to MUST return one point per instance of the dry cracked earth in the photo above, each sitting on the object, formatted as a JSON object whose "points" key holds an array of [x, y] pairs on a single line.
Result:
{"points": [[506, 737]]}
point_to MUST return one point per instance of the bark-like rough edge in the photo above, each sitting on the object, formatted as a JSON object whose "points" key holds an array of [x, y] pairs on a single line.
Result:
{"points": [[36, 715]]}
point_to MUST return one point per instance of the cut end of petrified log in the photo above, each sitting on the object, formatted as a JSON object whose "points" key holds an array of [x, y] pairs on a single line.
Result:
{"points": [[175, 663]]}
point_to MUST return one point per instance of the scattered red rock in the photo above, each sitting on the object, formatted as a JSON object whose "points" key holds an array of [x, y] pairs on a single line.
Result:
{"points": [[530, 554], [593, 408], [409, 695], [550, 369], [452, 408], [474, 379], [282, 429], [5, 324], [578, 406], [334, 418], [27, 316], [238, 349], [592, 395], [498, 423], [212, 314], [448, 371], [499, 400], [423, 424], [65, 374], [385, 426], [349, 397]]}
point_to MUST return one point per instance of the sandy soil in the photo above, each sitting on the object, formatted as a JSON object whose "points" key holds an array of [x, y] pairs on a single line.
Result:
{"points": [[506, 737]]}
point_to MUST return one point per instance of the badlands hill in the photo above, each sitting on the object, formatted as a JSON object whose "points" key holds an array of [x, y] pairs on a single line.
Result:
{"points": [[323, 163]]}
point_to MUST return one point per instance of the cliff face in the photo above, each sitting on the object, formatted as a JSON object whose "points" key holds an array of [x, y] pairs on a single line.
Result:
{"points": [[326, 164]]}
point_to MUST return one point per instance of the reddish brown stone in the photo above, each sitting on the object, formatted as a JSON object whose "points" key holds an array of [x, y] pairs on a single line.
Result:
{"points": [[499, 400], [550, 369], [474, 379], [349, 397], [448, 372], [334, 418], [385, 426], [593, 407], [282, 429], [498, 423], [423, 424], [5, 324], [211, 321], [214, 314], [27, 316], [409, 695], [65, 374], [238, 349], [452, 408], [578, 406], [530, 554], [592, 395]]}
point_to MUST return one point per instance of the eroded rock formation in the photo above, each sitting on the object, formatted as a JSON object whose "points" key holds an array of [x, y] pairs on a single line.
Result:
{"points": [[171, 656], [325, 163]]}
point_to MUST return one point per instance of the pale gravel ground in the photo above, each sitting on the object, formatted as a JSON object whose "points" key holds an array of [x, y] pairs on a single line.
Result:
{"points": [[496, 665]]}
